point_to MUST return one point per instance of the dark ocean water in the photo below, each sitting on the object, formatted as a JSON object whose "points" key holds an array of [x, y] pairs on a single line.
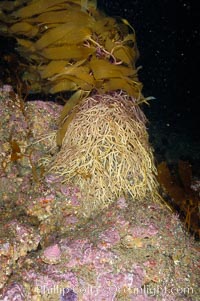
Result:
{"points": [[167, 36]]}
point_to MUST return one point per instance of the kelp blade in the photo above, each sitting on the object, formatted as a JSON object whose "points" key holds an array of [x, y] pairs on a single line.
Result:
{"points": [[67, 52], [63, 85], [64, 16], [25, 29], [35, 8], [52, 68], [118, 84], [68, 114], [70, 32], [70, 104], [104, 69]]}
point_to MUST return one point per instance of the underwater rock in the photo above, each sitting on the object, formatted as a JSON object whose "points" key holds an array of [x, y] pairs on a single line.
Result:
{"points": [[16, 240], [130, 251], [6, 265], [14, 292]]}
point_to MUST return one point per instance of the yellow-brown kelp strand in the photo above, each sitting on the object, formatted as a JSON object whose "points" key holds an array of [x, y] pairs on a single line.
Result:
{"points": [[69, 45]]}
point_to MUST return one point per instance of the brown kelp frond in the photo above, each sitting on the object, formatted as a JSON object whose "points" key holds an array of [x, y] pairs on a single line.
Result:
{"points": [[184, 199], [67, 52], [37, 7], [68, 114], [72, 46], [105, 151], [40, 6], [62, 33]]}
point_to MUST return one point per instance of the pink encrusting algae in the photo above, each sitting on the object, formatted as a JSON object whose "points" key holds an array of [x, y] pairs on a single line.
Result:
{"points": [[14, 292], [48, 252], [52, 254]]}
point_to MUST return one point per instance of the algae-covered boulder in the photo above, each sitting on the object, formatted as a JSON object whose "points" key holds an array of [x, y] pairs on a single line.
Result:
{"points": [[131, 250]]}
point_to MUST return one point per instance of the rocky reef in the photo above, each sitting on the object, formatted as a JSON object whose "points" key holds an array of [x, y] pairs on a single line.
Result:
{"points": [[129, 251]]}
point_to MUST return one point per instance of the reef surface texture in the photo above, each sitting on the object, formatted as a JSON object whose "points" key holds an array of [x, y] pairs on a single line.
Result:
{"points": [[129, 251]]}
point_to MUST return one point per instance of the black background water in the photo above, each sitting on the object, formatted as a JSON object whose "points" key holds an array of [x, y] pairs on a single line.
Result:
{"points": [[167, 37]]}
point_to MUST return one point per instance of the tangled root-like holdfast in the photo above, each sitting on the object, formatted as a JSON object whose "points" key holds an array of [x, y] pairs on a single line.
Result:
{"points": [[105, 152]]}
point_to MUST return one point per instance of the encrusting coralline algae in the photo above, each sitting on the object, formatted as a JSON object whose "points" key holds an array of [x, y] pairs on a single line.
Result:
{"points": [[130, 251]]}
